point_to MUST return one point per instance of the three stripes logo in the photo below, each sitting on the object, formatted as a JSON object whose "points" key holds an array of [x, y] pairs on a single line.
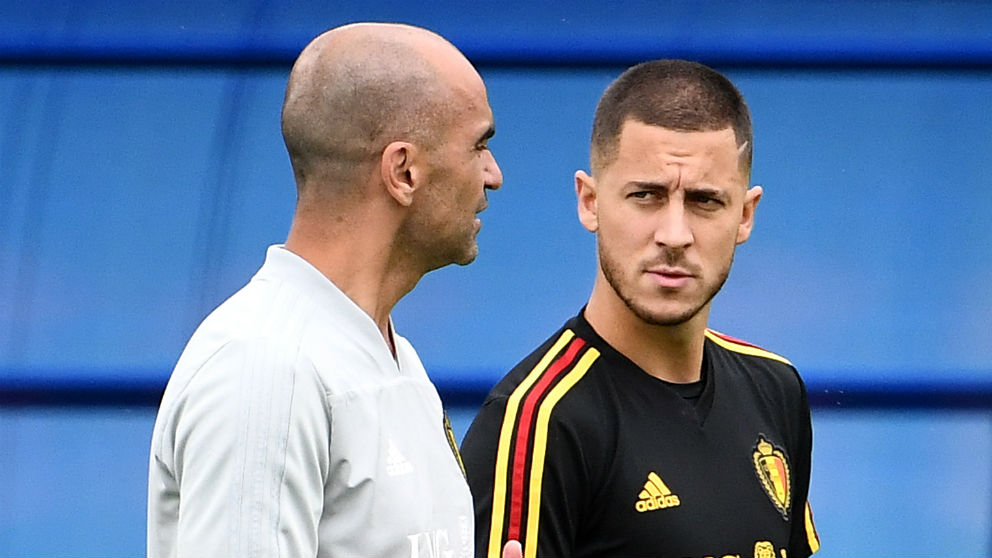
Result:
{"points": [[656, 495]]}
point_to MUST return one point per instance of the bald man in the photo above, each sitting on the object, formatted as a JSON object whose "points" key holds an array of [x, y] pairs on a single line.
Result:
{"points": [[297, 422]]}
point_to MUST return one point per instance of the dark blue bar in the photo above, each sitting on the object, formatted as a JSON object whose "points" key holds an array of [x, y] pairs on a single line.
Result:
{"points": [[827, 390], [866, 52]]}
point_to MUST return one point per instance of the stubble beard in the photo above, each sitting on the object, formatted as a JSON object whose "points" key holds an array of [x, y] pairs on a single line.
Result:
{"points": [[613, 273], [434, 242], [464, 246], [468, 254], [459, 249]]}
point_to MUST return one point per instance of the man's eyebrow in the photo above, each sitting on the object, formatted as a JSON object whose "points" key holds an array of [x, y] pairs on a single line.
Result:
{"points": [[648, 184], [711, 191]]}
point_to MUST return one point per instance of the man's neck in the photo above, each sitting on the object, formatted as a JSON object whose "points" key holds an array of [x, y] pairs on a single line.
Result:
{"points": [[360, 266], [671, 353]]}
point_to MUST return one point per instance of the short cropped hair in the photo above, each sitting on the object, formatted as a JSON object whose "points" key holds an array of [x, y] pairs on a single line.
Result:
{"points": [[675, 94]]}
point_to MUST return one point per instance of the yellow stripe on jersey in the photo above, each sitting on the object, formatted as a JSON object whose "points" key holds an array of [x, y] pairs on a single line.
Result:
{"points": [[541, 444], [811, 536], [715, 337], [506, 440]]}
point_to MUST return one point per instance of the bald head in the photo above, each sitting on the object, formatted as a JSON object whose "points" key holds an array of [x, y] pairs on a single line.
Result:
{"points": [[356, 88]]}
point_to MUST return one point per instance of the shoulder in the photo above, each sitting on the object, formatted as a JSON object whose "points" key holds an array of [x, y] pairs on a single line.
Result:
{"points": [[240, 365], [552, 402], [277, 326], [242, 383], [761, 364], [740, 346], [243, 333], [558, 388], [241, 347], [553, 369]]}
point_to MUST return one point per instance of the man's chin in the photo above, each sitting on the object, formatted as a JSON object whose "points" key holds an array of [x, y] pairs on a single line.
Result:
{"points": [[469, 255], [462, 259], [666, 317]]}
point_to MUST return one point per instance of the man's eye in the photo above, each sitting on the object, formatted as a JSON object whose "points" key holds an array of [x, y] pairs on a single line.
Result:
{"points": [[642, 195], [708, 202]]}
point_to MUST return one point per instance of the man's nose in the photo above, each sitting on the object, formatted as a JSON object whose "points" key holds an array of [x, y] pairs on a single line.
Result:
{"points": [[494, 176], [673, 229]]}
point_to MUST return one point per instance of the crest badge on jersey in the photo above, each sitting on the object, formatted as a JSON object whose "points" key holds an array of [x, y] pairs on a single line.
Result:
{"points": [[764, 549], [772, 469]]}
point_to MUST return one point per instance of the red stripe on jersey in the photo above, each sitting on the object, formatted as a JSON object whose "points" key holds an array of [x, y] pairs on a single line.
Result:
{"points": [[524, 426], [726, 337]]}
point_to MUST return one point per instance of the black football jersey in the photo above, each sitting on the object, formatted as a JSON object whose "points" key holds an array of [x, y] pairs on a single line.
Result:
{"points": [[579, 452]]}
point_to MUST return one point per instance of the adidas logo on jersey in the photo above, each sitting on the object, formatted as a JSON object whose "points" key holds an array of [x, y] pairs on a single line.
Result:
{"points": [[396, 464], [656, 495]]}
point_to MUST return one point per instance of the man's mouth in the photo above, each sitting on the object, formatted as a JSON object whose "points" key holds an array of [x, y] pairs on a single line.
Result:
{"points": [[670, 277]]}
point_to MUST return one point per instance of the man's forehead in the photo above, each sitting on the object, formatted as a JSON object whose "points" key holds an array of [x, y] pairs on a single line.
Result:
{"points": [[633, 127], [697, 156], [642, 140]]}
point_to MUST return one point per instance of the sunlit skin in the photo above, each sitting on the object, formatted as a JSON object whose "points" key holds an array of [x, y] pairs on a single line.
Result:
{"points": [[668, 213], [462, 168], [412, 207]]}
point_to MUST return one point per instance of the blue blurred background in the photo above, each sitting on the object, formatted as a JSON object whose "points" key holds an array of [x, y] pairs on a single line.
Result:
{"points": [[142, 175]]}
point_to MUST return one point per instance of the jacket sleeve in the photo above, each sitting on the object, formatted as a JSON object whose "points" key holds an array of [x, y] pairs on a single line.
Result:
{"points": [[251, 454], [527, 479]]}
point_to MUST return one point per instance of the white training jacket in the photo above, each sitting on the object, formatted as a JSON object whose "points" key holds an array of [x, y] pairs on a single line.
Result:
{"points": [[288, 429]]}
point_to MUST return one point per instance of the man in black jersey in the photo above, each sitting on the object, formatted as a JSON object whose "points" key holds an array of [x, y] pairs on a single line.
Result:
{"points": [[635, 430]]}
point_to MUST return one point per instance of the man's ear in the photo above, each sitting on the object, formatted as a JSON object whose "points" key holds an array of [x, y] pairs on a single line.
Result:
{"points": [[585, 193], [400, 171], [751, 199]]}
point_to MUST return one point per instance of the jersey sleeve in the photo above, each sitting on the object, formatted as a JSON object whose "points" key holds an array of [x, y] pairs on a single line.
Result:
{"points": [[251, 453], [804, 540], [527, 482]]}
